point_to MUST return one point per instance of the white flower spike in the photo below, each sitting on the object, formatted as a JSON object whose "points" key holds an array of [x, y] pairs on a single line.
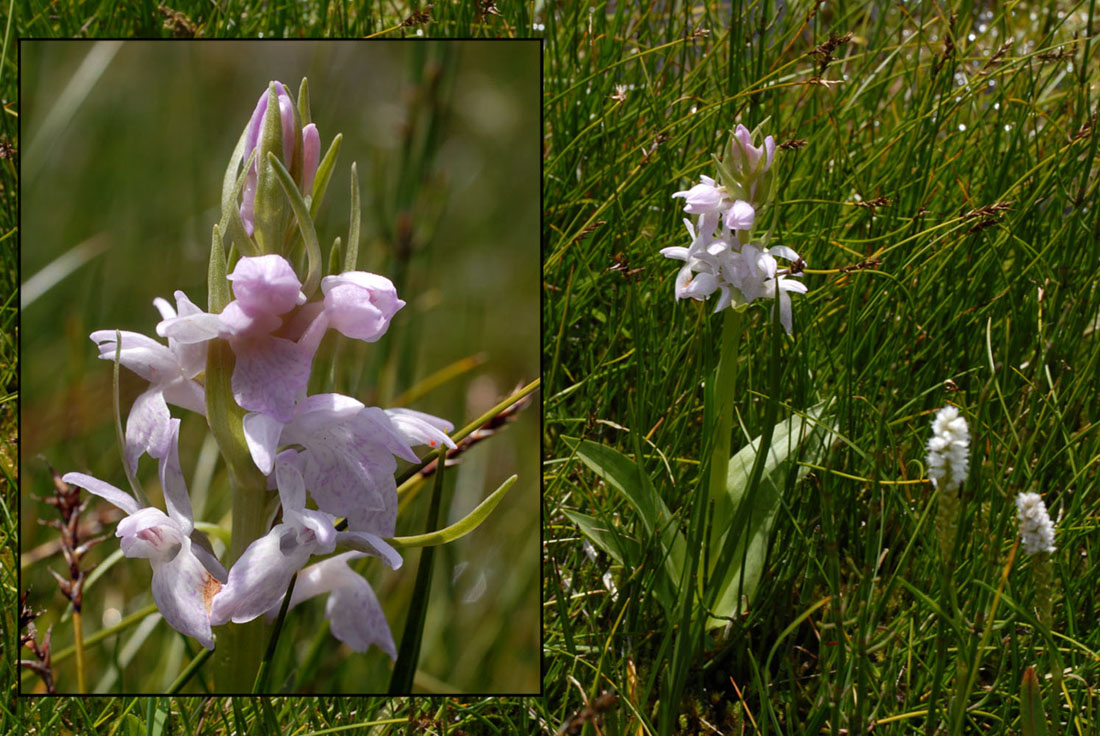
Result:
{"points": [[949, 449], [1036, 528]]}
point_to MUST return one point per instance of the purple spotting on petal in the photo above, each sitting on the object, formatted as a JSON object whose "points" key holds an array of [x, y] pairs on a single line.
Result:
{"points": [[270, 375]]}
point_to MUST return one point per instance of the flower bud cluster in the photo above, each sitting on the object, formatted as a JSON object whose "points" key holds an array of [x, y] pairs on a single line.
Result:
{"points": [[1036, 528], [297, 147], [328, 447], [721, 256]]}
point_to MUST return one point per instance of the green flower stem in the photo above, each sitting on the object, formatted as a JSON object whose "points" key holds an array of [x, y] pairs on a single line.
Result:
{"points": [[724, 382], [239, 647], [1042, 571]]}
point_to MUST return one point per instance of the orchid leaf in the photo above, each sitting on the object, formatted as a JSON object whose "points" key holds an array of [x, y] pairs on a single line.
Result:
{"points": [[753, 514], [632, 482], [621, 548]]}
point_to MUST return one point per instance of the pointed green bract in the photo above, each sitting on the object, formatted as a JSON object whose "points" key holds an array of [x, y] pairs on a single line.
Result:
{"points": [[270, 213], [1033, 721], [305, 226], [352, 255], [460, 528], [324, 173]]}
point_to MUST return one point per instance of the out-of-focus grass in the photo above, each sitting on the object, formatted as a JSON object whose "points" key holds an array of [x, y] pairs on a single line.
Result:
{"points": [[257, 19], [938, 171], [131, 161]]}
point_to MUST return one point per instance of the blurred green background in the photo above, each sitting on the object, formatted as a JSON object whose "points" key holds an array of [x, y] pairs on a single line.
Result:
{"points": [[125, 146]]}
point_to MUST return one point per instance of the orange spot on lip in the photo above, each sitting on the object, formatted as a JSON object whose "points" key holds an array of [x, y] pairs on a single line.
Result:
{"points": [[210, 589]]}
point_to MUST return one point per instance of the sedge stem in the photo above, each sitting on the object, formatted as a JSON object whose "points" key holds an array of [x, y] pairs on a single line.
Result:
{"points": [[78, 643]]}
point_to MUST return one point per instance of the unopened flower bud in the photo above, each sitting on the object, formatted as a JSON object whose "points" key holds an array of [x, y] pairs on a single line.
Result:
{"points": [[264, 207], [750, 166], [746, 160]]}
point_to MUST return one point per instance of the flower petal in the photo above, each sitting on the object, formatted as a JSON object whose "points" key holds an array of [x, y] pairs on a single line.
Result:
{"points": [[259, 579], [418, 428], [261, 433], [121, 499], [360, 304], [353, 611], [183, 590], [148, 427], [176, 498], [270, 375]]}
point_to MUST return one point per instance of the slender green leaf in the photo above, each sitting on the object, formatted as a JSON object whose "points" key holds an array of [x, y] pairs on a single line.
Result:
{"points": [[626, 476], [624, 550]]}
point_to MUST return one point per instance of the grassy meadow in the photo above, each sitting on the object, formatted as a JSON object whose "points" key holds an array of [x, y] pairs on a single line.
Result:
{"points": [[937, 171]]}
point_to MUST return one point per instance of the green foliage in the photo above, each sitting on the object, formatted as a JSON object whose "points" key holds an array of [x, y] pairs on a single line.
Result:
{"points": [[937, 170], [1033, 722], [755, 509]]}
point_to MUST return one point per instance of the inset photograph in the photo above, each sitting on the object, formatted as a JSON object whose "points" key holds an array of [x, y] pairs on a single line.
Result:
{"points": [[281, 354]]}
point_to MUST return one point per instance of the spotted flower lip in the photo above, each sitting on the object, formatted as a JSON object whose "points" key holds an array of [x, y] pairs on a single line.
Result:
{"points": [[260, 577], [348, 453], [186, 577]]}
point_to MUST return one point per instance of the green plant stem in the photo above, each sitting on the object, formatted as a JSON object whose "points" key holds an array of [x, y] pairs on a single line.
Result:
{"points": [[239, 647], [78, 643], [724, 383], [691, 629]]}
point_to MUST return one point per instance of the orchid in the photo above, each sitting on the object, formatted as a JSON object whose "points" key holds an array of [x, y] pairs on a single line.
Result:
{"points": [[170, 371], [186, 576], [274, 352], [244, 366], [722, 256]]}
